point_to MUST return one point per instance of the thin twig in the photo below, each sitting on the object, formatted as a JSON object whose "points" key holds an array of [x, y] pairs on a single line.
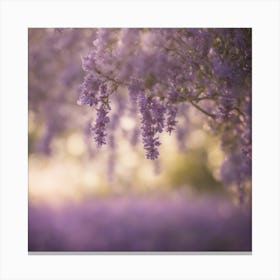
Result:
{"points": [[202, 110]]}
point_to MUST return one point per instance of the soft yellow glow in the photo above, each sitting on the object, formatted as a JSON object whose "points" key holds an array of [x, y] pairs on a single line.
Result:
{"points": [[128, 160], [127, 123], [75, 145], [168, 150], [90, 179], [215, 156], [31, 122], [196, 139], [70, 175], [146, 173], [57, 179]]}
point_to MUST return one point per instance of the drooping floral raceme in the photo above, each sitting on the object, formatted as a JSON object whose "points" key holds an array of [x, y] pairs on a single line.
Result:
{"points": [[153, 75], [158, 70]]}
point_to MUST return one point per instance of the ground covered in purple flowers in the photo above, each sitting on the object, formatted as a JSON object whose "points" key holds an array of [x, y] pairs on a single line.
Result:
{"points": [[141, 223]]}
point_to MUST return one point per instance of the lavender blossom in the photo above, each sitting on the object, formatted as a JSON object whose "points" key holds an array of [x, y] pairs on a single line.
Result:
{"points": [[160, 68], [146, 223]]}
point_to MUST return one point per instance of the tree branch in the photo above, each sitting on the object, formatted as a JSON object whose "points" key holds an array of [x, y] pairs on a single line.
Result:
{"points": [[202, 110]]}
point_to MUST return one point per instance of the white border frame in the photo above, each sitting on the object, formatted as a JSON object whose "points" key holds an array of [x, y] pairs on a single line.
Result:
{"points": [[262, 16]]}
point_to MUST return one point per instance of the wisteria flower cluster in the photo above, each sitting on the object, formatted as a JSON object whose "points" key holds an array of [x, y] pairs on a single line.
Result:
{"points": [[54, 73], [153, 75], [160, 70]]}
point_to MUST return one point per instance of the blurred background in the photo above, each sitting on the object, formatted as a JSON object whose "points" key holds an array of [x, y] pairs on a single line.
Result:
{"points": [[84, 198]]}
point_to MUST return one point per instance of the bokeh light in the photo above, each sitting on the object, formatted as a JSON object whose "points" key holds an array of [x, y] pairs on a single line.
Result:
{"points": [[88, 198]]}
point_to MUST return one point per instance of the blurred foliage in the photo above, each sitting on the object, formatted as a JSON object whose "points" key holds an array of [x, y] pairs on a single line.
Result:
{"points": [[69, 172], [192, 170]]}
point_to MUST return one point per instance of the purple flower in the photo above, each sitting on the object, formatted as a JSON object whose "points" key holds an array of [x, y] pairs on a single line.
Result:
{"points": [[99, 129], [151, 70]]}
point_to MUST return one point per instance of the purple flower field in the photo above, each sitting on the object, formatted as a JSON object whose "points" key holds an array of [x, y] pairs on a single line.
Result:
{"points": [[146, 223]]}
